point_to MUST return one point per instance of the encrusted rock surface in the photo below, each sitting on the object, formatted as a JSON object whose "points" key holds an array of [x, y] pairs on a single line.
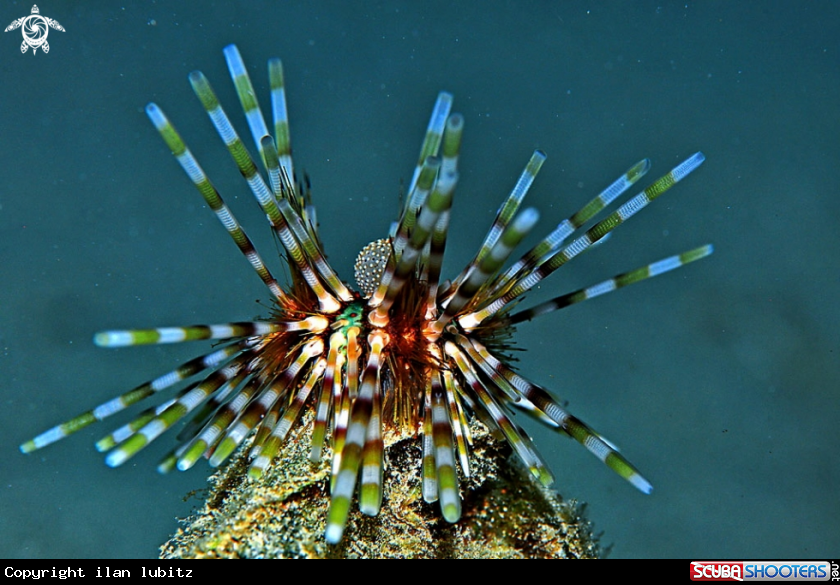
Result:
{"points": [[505, 513]]}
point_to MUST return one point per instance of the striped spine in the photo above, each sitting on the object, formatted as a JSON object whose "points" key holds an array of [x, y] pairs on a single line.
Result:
{"points": [[331, 387], [282, 135], [211, 196], [434, 134], [188, 401], [263, 455], [614, 283], [437, 242], [552, 242], [486, 268], [505, 214], [133, 396], [517, 439], [439, 201], [263, 403], [328, 303], [126, 337], [584, 242], [247, 94], [357, 436], [444, 453]]}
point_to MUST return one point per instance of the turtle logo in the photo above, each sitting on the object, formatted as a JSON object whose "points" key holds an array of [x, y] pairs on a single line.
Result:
{"points": [[35, 29]]}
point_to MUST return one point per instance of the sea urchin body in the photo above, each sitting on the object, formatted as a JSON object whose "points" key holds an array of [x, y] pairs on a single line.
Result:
{"points": [[406, 352]]}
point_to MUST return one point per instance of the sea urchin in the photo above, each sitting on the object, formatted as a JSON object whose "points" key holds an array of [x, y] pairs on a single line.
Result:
{"points": [[407, 352]]}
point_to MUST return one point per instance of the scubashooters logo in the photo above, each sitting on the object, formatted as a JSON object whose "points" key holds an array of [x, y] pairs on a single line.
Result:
{"points": [[710, 571], [35, 29], [760, 571]]}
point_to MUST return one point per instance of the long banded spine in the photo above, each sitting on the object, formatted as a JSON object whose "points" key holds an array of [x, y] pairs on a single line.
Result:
{"points": [[189, 400], [505, 214], [343, 401], [124, 432], [614, 283], [460, 426], [402, 258], [207, 438], [437, 242], [266, 199], [373, 457], [552, 242], [357, 434], [540, 404], [584, 242], [439, 201], [160, 335], [511, 431], [211, 196], [444, 452], [330, 394], [133, 396], [263, 454], [282, 136], [247, 94], [490, 265], [252, 415], [429, 484], [434, 134]]}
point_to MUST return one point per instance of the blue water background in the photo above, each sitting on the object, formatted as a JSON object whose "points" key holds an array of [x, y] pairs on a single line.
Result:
{"points": [[719, 381]]}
